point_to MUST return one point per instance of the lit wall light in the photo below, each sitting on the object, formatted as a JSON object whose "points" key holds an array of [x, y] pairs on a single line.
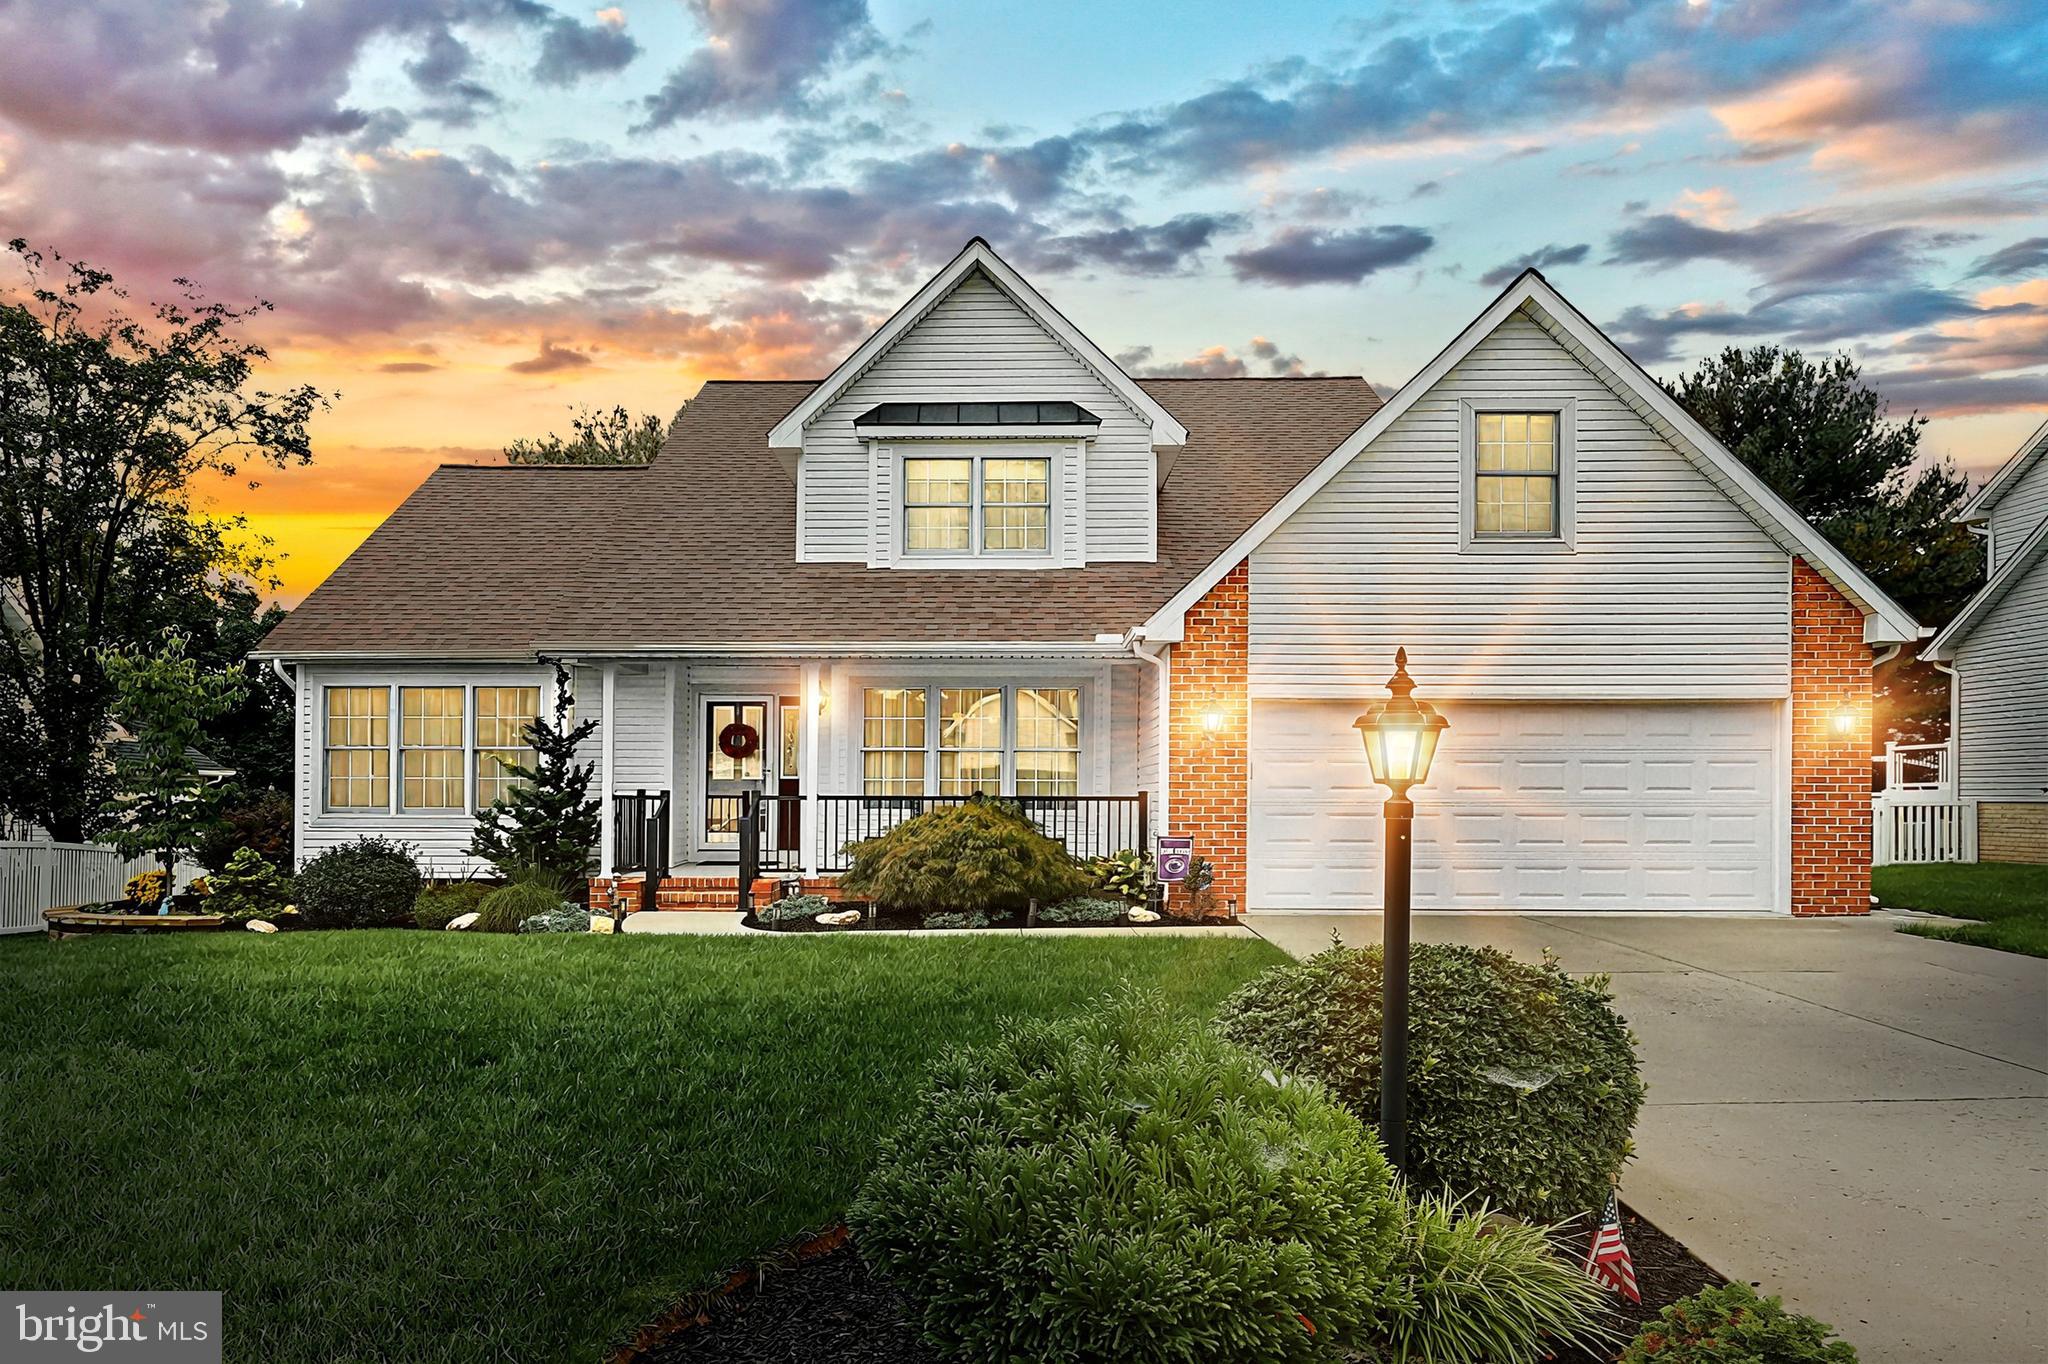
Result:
{"points": [[1845, 722], [1212, 716]]}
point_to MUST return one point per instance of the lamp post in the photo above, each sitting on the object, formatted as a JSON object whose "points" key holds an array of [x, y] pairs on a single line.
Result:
{"points": [[1400, 737]]}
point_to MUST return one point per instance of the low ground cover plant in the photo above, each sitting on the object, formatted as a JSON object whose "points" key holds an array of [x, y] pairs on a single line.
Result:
{"points": [[980, 854], [364, 883], [973, 918], [563, 918], [507, 907], [1470, 1288], [440, 903], [1127, 875], [1732, 1325], [1085, 909], [792, 909], [1125, 1185], [1523, 1085]]}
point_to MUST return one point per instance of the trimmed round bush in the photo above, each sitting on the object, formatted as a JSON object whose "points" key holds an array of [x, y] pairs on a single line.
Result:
{"points": [[980, 854], [1470, 1288], [507, 907], [1522, 1081], [1732, 1325], [1124, 1185], [563, 918], [364, 883], [441, 903]]}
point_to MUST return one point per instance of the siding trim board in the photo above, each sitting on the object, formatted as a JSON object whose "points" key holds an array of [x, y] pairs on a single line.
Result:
{"points": [[1885, 621]]}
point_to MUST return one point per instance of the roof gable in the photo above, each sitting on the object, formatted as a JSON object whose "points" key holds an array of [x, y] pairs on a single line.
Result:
{"points": [[977, 256], [1885, 620], [1944, 645], [2009, 476]]}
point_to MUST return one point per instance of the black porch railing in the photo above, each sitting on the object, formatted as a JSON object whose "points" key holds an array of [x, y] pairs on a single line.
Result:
{"points": [[640, 827], [1088, 826]]}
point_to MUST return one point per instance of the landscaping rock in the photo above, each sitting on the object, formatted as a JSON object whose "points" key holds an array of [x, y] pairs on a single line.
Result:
{"points": [[262, 926], [1144, 916], [461, 921], [844, 918], [602, 923]]}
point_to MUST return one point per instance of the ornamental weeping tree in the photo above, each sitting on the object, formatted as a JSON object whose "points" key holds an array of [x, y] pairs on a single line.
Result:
{"points": [[544, 828], [163, 701]]}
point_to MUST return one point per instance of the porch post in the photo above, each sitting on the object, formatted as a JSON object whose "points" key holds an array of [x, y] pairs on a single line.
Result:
{"points": [[808, 768], [607, 735]]}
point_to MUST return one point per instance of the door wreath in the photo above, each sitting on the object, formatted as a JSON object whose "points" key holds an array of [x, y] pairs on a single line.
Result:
{"points": [[739, 740]]}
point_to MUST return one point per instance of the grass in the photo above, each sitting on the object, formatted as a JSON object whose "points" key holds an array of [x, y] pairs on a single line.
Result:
{"points": [[422, 1146], [2009, 900]]}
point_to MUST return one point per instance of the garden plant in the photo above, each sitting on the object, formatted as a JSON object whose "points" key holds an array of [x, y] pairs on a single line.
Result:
{"points": [[1732, 1325], [364, 883], [1523, 1085], [979, 855]]}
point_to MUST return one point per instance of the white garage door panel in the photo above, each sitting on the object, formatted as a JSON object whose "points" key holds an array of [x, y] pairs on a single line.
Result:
{"points": [[1536, 806]]}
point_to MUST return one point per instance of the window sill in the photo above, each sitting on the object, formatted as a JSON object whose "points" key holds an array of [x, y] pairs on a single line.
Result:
{"points": [[1490, 545]]}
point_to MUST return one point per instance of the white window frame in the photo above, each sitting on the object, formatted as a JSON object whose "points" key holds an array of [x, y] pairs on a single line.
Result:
{"points": [[1566, 538], [1084, 772], [978, 453], [394, 807]]}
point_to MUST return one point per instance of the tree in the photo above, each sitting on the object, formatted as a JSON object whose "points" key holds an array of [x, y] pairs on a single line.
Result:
{"points": [[162, 700], [614, 437], [1818, 435], [544, 828], [105, 421]]}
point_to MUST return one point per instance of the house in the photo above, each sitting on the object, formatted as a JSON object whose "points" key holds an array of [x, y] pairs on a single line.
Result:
{"points": [[978, 556], [1996, 649]]}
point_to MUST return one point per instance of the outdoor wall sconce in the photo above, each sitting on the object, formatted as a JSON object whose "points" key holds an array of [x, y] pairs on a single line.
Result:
{"points": [[1400, 737], [1212, 716], [1845, 722]]}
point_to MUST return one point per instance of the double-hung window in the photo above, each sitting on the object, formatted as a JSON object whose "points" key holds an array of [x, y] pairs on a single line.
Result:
{"points": [[990, 740], [358, 743], [1517, 476], [430, 773], [977, 504], [502, 717]]}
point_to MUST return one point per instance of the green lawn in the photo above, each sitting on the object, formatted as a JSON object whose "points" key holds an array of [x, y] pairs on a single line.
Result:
{"points": [[412, 1146], [2010, 901]]}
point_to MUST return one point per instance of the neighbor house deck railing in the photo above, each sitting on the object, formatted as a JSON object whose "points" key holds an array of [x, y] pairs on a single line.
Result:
{"points": [[1919, 767]]}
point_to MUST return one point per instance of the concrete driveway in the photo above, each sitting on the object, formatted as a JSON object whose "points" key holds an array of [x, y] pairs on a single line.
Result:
{"points": [[1855, 1118]]}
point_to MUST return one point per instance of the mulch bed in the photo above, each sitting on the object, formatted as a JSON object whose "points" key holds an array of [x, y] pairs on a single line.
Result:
{"points": [[816, 1303]]}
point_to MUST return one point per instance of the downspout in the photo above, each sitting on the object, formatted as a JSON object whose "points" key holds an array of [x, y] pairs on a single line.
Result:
{"points": [[1164, 719], [277, 666]]}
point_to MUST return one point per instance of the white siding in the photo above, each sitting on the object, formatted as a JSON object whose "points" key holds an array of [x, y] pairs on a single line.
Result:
{"points": [[2002, 695], [645, 739], [977, 344], [2014, 516], [1671, 590]]}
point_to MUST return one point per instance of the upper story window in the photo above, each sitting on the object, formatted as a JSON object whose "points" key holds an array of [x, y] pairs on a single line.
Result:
{"points": [[977, 504], [1517, 476]]}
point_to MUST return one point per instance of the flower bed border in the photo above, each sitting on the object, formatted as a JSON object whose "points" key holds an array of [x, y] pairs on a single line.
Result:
{"points": [[76, 921]]}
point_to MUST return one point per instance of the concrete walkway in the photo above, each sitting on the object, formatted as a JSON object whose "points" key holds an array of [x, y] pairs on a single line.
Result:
{"points": [[1855, 1118]]}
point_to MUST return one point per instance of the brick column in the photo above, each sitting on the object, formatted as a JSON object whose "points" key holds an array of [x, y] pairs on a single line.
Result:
{"points": [[1208, 790], [1830, 770]]}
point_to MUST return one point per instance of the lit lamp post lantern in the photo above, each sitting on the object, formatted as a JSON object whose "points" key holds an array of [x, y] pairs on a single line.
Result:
{"points": [[1400, 737]]}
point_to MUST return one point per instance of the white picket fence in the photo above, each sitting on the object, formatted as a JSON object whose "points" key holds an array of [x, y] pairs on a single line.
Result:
{"points": [[39, 876], [1910, 828]]}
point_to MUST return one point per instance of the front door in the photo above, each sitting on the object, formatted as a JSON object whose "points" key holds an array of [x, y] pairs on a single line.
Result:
{"points": [[737, 759]]}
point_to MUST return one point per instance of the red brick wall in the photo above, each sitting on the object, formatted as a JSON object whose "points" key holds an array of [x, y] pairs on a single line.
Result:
{"points": [[1208, 784], [1830, 770]]}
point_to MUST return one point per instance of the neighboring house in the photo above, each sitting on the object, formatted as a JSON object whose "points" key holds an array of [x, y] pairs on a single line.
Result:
{"points": [[1997, 651], [978, 556]]}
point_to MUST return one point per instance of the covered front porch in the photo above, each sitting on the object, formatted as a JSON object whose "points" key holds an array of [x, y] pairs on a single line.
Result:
{"points": [[718, 771]]}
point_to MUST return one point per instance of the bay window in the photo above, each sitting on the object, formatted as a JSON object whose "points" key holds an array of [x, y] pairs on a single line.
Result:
{"points": [[991, 740]]}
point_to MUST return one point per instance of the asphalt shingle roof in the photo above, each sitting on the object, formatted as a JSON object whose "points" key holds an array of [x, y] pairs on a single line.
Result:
{"points": [[697, 549]]}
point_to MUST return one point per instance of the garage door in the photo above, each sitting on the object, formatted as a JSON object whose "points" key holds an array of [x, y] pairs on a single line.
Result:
{"points": [[1529, 806]]}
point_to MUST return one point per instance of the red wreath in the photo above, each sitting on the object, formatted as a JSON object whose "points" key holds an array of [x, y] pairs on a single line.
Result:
{"points": [[739, 740]]}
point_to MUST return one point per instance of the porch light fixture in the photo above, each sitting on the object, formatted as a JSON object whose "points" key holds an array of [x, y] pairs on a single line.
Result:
{"points": [[1845, 721], [1212, 715], [1400, 736]]}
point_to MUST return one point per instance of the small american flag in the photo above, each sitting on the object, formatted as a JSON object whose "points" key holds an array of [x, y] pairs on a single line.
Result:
{"points": [[1607, 1258]]}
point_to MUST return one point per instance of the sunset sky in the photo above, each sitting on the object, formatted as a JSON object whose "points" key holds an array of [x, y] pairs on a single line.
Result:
{"points": [[472, 215]]}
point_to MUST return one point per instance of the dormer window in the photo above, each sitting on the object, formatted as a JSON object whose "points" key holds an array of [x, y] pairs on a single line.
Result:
{"points": [[995, 503]]}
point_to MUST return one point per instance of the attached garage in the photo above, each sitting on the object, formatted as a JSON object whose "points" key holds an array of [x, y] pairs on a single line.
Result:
{"points": [[1530, 806]]}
